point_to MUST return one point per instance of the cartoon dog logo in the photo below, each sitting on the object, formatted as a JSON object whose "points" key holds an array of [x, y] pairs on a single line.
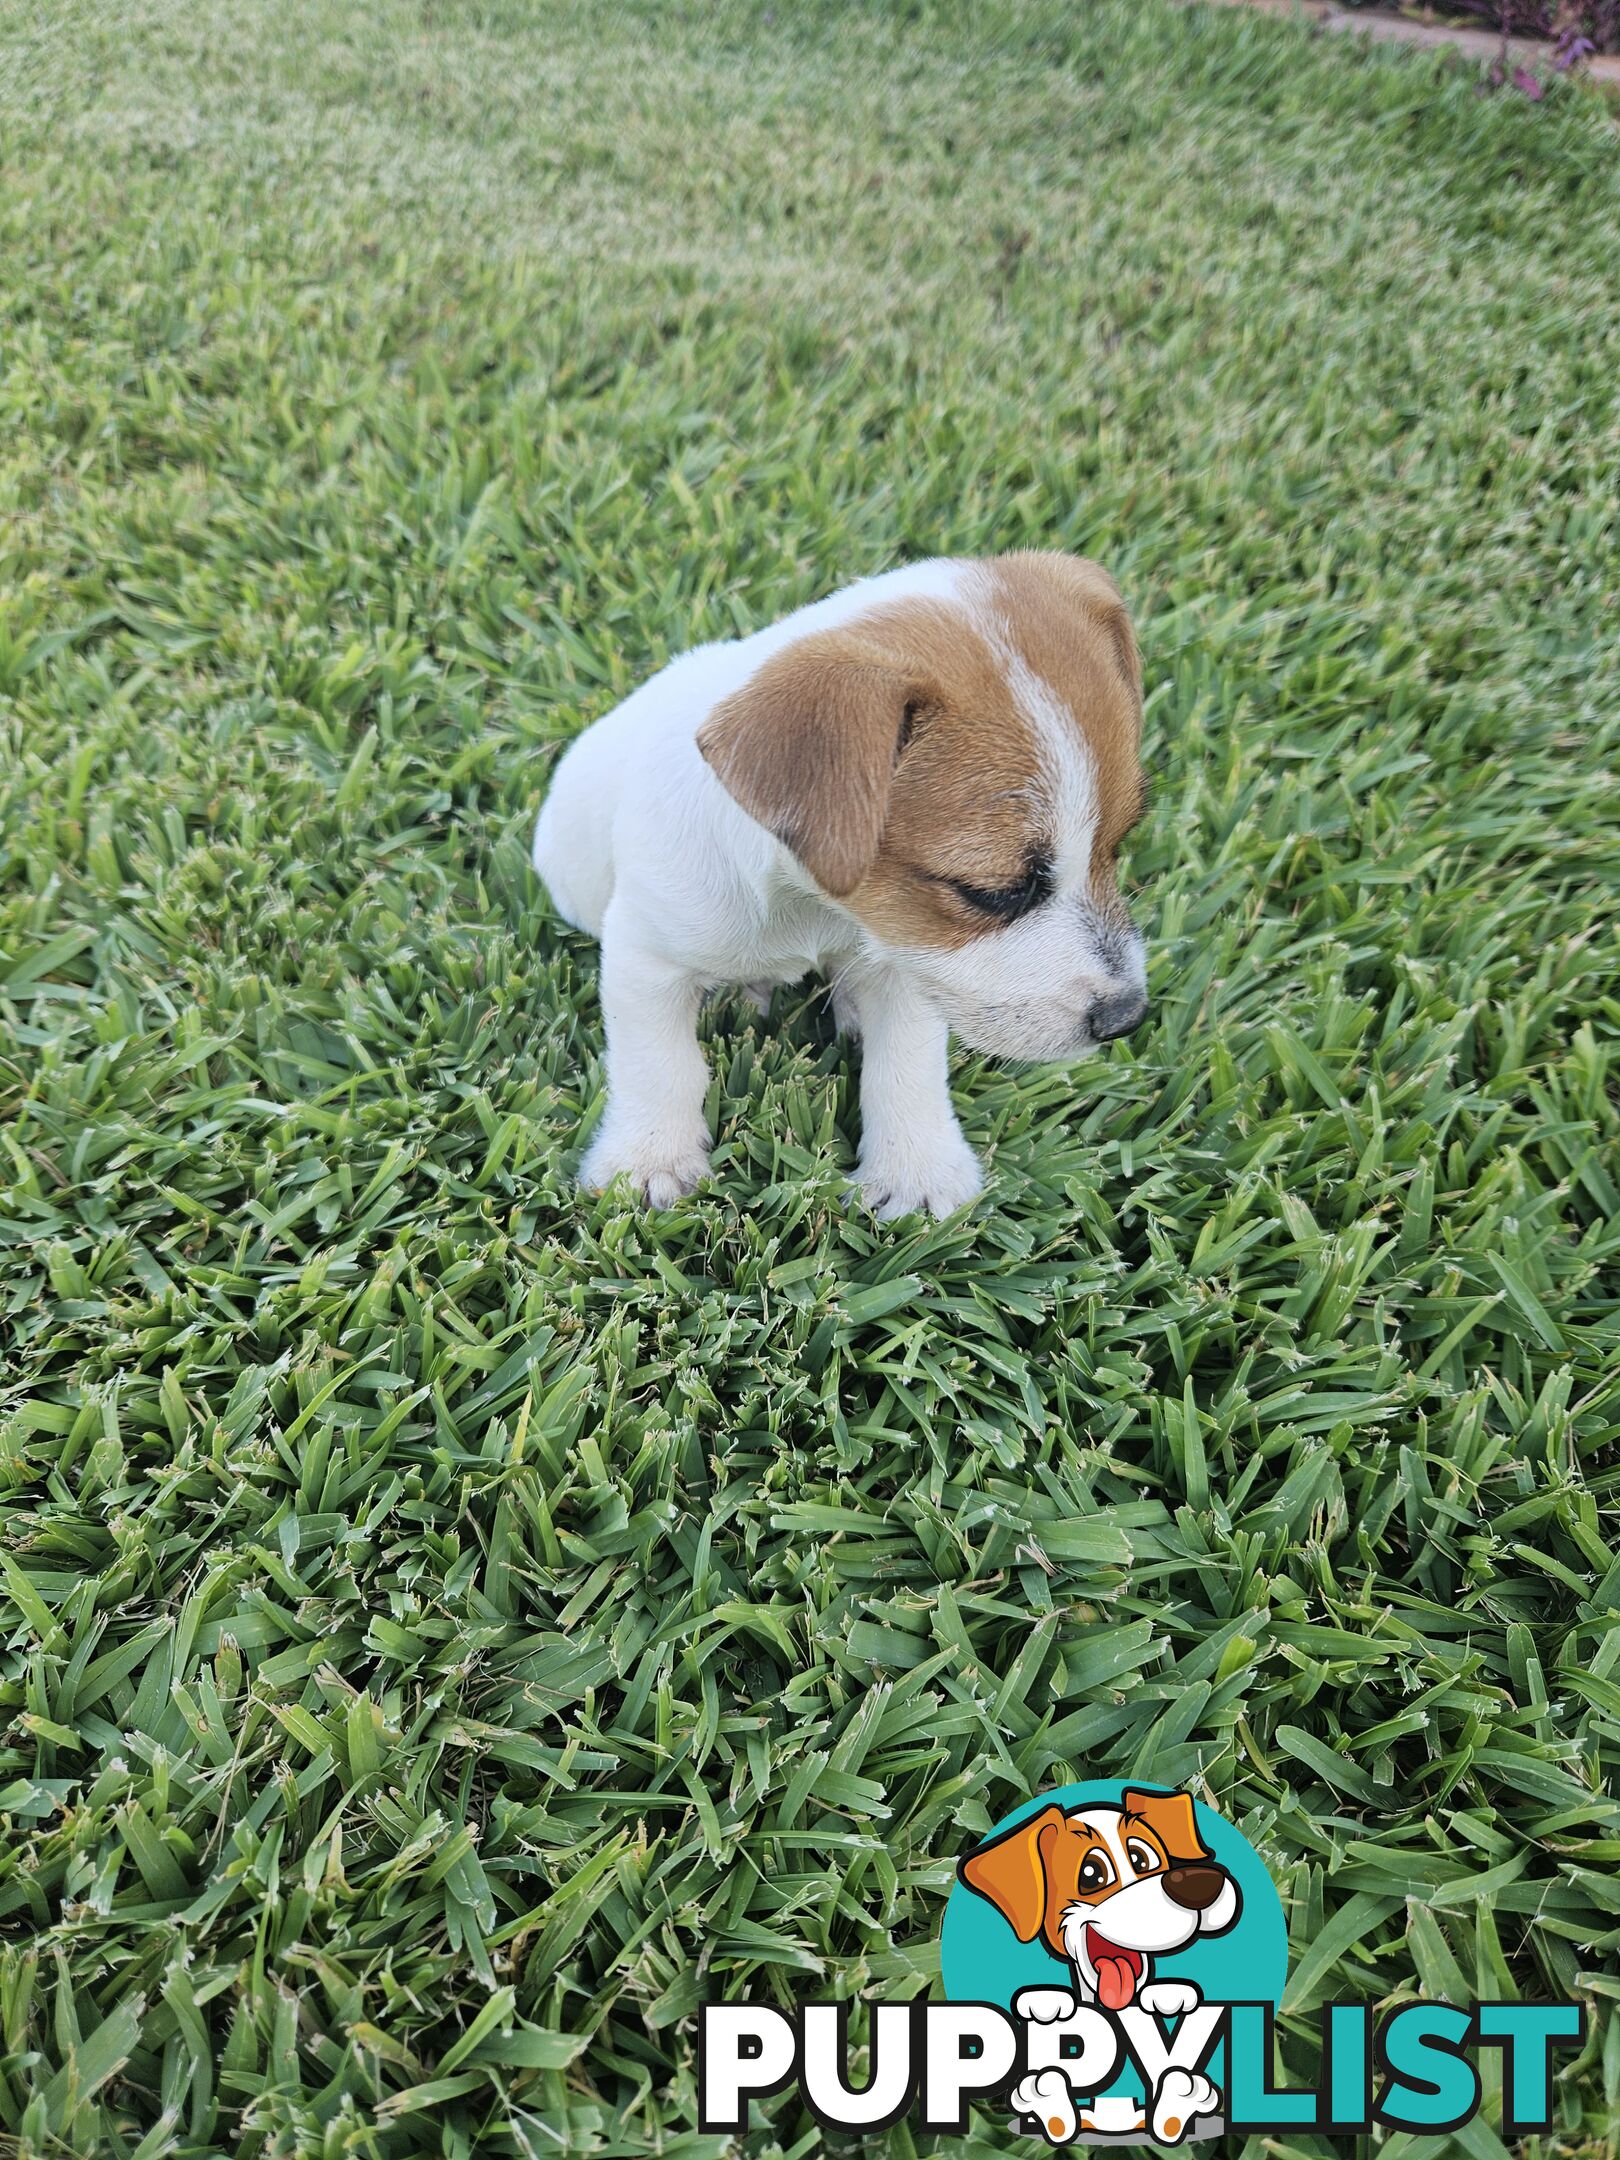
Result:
{"points": [[1107, 1889]]}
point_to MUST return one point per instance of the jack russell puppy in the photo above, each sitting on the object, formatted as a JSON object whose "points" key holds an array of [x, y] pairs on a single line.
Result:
{"points": [[918, 786]]}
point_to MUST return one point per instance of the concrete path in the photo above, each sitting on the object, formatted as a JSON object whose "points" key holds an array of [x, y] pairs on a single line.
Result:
{"points": [[1401, 30]]}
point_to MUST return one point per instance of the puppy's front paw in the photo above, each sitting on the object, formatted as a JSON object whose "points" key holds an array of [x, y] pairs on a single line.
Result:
{"points": [[1044, 2095], [1183, 2096], [933, 1179], [1043, 2005], [663, 1167], [1169, 1998]]}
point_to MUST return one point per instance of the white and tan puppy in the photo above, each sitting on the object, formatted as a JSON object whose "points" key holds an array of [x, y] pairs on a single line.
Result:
{"points": [[918, 786]]}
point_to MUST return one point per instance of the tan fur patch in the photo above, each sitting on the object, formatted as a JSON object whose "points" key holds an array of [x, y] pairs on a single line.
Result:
{"points": [[1031, 1872], [1009, 1872], [808, 747], [1071, 626], [962, 808], [892, 757]]}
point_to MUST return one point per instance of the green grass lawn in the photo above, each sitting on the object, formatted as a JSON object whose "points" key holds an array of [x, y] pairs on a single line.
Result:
{"points": [[452, 1625]]}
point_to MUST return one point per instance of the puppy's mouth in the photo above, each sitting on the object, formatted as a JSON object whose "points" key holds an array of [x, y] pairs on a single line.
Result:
{"points": [[1024, 1038], [1118, 1969]]}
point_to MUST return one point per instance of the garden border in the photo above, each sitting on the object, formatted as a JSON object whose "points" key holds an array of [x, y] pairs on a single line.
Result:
{"points": [[1438, 37]]}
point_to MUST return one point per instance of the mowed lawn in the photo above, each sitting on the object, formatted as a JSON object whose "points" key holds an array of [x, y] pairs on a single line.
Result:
{"points": [[454, 1626]]}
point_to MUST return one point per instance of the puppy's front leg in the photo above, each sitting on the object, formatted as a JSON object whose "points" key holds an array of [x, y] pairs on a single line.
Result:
{"points": [[913, 1154], [653, 1130]]}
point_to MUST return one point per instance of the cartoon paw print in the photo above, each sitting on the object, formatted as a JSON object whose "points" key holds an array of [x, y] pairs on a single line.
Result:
{"points": [[1045, 2095], [1183, 2096]]}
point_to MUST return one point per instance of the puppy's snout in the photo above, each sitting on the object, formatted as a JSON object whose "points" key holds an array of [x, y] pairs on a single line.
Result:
{"points": [[1194, 1887], [1115, 1016]]}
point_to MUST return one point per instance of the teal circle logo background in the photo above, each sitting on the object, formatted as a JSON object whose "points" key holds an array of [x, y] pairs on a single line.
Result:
{"points": [[982, 1960]]}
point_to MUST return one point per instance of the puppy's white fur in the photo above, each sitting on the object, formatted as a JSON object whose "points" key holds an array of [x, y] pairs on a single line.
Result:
{"points": [[640, 845]]}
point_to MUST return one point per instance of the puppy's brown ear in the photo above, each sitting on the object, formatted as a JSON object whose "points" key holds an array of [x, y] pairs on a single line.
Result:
{"points": [[1012, 1874], [808, 748], [1127, 653], [1171, 1816]]}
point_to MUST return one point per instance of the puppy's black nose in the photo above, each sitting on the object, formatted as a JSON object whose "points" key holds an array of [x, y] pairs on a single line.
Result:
{"points": [[1115, 1016], [1194, 1887]]}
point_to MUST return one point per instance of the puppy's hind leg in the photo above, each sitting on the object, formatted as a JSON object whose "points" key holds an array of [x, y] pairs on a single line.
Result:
{"points": [[653, 1131]]}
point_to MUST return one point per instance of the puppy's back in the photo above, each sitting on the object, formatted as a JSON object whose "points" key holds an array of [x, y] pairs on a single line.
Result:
{"points": [[646, 743]]}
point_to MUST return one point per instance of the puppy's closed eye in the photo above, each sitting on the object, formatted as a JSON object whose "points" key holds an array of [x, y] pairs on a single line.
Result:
{"points": [[1005, 903]]}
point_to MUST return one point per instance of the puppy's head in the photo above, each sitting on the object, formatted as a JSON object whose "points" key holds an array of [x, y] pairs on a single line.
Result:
{"points": [[959, 773], [1107, 1887]]}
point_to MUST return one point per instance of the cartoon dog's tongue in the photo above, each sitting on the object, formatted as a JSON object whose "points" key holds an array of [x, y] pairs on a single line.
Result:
{"points": [[1116, 1970]]}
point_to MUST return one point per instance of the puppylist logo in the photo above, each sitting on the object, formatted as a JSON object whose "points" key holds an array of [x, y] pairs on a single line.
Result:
{"points": [[1118, 1921], [1113, 1956]]}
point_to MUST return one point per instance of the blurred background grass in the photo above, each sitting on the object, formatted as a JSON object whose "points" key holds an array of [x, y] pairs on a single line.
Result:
{"points": [[454, 1626]]}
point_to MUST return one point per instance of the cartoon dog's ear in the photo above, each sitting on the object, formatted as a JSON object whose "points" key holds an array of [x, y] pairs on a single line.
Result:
{"points": [[1170, 1816], [808, 748], [1012, 1874]]}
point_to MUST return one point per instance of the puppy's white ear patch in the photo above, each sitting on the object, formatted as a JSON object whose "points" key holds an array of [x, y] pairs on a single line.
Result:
{"points": [[808, 748]]}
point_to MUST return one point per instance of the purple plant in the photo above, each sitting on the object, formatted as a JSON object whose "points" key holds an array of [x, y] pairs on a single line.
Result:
{"points": [[1575, 28], [1570, 48]]}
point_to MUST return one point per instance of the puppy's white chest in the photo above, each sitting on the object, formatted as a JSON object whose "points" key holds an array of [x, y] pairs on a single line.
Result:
{"points": [[791, 945]]}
